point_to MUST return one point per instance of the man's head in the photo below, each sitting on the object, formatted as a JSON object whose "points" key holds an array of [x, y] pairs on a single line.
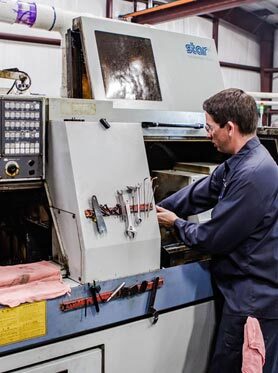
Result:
{"points": [[232, 119]]}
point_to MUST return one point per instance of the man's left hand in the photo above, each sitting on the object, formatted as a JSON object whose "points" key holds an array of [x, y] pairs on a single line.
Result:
{"points": [[165, 217]]}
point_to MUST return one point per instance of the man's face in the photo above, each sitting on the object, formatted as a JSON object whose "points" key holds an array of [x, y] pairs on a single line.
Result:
{"points": [[219, 136]]}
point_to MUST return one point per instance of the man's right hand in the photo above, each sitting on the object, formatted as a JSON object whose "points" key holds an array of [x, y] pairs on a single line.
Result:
{"points": [[165, 217]]}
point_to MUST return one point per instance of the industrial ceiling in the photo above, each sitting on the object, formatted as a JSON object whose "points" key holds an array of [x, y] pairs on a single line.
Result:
{"points": [[252, 16]]}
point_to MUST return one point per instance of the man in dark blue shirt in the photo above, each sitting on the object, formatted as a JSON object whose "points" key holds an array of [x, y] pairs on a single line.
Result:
{"points": [[242, 235]]}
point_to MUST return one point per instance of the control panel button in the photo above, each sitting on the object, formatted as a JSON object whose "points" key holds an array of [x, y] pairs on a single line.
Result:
{"points": [[31, 162]]}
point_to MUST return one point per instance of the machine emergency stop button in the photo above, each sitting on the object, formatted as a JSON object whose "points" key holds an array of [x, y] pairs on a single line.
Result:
{"points": [[12, 168]]}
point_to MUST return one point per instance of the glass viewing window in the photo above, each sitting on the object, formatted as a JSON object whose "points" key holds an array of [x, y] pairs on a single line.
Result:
{"points": [[128, 67]]}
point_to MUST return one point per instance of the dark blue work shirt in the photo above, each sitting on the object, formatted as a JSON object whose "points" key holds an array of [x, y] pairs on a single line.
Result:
{"points": [[242, 235]]}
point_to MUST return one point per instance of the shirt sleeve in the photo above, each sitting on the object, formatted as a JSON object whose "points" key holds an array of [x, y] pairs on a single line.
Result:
{"points": [[195, 198], [234, 218]]}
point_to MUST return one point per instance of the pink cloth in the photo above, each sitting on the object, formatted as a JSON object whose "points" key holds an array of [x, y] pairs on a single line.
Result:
{"points": [[253, 351], [24, 273], [30, 282]]}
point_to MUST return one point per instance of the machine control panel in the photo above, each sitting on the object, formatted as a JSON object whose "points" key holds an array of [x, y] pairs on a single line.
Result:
{"points": [[22, 138]]}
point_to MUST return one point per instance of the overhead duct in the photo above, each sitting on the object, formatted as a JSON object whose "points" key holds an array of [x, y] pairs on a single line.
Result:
{"points": [[35, 15]]}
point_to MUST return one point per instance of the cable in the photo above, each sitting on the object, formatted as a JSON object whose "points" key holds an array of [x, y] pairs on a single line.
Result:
{"points": [[9, 91], [22, 84]]}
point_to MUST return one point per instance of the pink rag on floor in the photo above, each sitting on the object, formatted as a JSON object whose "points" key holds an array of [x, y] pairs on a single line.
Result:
{"points": [[253, 351], [30, 282]]}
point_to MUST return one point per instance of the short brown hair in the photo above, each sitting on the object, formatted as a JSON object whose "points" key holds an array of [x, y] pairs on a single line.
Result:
{"points": [[233, 105]]}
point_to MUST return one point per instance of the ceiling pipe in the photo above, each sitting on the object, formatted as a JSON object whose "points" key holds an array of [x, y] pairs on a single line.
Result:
{"points": [[35, 15]]}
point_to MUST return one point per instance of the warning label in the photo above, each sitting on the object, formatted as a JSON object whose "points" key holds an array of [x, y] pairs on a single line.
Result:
{"points": [[22, 322]]}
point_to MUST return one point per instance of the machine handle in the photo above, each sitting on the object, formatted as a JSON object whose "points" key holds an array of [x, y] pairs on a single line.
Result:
{"points": [[177, 125]]}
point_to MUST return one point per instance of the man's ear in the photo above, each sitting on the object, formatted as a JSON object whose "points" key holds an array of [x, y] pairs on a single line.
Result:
{"points": [[231, 126]]}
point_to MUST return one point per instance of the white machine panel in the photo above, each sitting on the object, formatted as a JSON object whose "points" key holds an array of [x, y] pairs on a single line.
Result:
{"points": [[85, 362], [142, 67], [89, 160]]}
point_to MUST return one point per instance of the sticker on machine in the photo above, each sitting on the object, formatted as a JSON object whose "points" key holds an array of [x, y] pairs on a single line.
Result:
{"points": [[23, 322], [80, 108]]}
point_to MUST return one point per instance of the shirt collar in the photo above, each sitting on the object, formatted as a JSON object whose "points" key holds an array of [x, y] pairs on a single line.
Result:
{"points": [[232, 162]]}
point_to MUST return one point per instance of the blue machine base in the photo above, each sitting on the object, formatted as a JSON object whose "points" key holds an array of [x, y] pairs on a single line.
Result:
{"points": [[183, 285]]}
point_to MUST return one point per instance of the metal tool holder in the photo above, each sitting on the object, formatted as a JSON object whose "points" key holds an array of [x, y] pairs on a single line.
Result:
{"points": [[129, 207], [121, 291]]}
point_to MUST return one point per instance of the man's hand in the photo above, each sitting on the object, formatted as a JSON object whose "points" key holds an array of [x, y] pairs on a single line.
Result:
{"points": [[165, 217]]}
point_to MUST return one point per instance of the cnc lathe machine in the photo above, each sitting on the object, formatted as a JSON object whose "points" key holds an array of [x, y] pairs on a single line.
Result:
{"points": [[79, 179]]}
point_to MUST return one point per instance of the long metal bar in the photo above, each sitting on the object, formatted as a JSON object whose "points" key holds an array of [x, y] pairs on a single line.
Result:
{"points": [[29, 39], [215, 30], [266, 60], [271, 70], [182, 8], [56, 227], [134, 5], [109, 8], [240, 67]]}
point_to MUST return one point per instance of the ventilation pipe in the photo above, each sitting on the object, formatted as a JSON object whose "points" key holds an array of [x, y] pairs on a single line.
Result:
{"points": [[35, 15], [42, 17]]}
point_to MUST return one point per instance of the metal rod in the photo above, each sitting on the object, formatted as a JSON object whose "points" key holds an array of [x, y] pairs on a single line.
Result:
{"points": [[109, 8], [181, 125], [116, 291], [29, 39], [270, 70], [215, 31], [135, 6], [56, 227], [240, 67]]}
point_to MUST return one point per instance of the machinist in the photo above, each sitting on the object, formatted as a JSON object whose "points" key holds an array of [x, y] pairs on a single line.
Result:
{"points": [[242, 235]]}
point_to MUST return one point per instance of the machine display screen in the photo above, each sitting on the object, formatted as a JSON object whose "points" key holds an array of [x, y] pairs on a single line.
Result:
{"points": [[128, 67]]}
